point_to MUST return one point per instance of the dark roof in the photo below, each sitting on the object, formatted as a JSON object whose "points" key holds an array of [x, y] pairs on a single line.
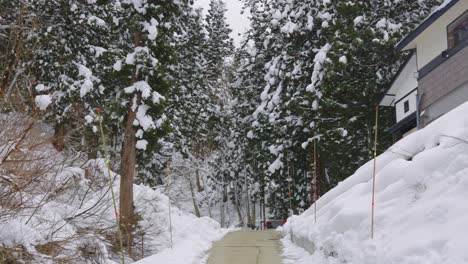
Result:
{"points": [[405, 125], [407, 59], [424, 25]]}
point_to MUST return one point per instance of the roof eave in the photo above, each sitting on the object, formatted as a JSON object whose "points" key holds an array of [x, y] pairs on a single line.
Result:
{"points": [[404, 43], [400, 70]]}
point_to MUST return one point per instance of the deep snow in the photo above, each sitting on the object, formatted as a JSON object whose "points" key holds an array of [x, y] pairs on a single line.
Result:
{"points": [[421, 208], [67, 207]]}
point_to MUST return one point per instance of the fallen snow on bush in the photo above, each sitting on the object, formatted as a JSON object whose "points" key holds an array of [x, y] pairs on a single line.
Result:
{"points": [[63, 210], [421, 208]]}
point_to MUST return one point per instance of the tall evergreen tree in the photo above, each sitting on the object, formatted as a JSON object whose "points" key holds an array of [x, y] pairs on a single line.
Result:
{"points": [[323, 76], [142, 52], [220, 48]]}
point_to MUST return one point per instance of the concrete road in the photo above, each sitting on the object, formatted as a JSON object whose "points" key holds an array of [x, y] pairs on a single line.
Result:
{"points": [[247, 247]]}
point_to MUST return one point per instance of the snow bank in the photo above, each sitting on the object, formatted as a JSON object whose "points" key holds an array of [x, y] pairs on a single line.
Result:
{"points": [[64, 213], [192, 236], [421, 213], [64, 218]]}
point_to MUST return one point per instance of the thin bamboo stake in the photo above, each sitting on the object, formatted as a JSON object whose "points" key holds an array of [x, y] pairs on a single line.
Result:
{"points": [[289, 191], [375, 165], [315, 177], [170, 213], [111, 182]]}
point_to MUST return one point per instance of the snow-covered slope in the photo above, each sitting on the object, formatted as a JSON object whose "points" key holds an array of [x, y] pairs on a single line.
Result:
{"points": [[421, 205], [60, 209], [192, 237]]}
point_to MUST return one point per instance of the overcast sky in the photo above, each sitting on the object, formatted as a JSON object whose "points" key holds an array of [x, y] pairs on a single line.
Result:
{"points": [[239, 23]]}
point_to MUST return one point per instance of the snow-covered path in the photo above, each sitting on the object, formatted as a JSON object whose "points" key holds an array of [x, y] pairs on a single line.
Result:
{"points": [[247, 247]]}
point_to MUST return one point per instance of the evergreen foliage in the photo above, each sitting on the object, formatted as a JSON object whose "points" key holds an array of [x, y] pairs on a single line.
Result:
{"points": [[172, 84]]}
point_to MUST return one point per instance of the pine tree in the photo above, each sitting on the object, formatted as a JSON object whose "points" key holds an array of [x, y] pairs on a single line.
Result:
{"points": [[324, 72], [220, 48], [142, 54], [191, 107], [67, 48]]}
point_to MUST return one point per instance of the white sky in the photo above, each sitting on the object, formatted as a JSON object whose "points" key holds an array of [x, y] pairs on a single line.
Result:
{"points": [[239, 23]]}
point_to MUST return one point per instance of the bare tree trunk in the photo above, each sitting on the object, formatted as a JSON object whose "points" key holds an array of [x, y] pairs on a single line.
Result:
{"points": [[194, 200], [59, 136], [199, 186], [235, 201], [92, 144], [207, 195], [221, 208], [247, 201], [223, 200], [127, 172], [128, 165], [13, 59], [253, 216], [247, 212], [261, 212]]}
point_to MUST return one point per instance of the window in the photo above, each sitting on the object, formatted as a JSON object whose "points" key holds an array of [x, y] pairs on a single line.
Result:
{"points": [[458, 30], [406, 106]]}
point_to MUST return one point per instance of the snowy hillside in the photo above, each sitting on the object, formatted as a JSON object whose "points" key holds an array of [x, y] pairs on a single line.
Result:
{"points": [[421, 209], [57, 209]]}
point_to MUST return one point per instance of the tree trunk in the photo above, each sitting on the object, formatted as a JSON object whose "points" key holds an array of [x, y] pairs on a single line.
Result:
{"points": [[13, 61], [235, 201], [209, 201], [260, 212], [127, 172], [92, 144], [253, 216], [128, 165], [223, 200], [194, 200], [199, 186], [59, 136], [221, 215], [247, 201], [247, 212]]}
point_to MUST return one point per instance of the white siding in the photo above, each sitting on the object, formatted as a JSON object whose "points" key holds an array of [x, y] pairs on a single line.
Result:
{"points": [[407, 80], [432, 41], [404, 89], [399, 107]]}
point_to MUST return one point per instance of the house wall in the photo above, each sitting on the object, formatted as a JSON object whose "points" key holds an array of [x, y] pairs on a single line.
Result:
{"points": [[445, 105], [433, 40], [407, 81], [399, 106], [405, 86], [445, 87]]}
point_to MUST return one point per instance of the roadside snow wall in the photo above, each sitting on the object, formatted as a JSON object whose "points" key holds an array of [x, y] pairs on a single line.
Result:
{"points": [[421, 204]]}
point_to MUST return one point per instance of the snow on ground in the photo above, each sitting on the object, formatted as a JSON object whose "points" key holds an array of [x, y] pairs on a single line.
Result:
{"points": [[64, 212], [192, 241], [421, 209]]}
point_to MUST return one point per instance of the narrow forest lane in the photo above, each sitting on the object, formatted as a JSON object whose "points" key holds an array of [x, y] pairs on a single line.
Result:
{"points": [[247, 247]]}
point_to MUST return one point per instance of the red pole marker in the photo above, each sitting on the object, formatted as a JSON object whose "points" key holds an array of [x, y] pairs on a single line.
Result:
{"points": [[116, 214], [98, 110]]}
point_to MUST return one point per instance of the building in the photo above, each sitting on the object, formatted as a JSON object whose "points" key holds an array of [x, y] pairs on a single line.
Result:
{"points": [[434, 78]]}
